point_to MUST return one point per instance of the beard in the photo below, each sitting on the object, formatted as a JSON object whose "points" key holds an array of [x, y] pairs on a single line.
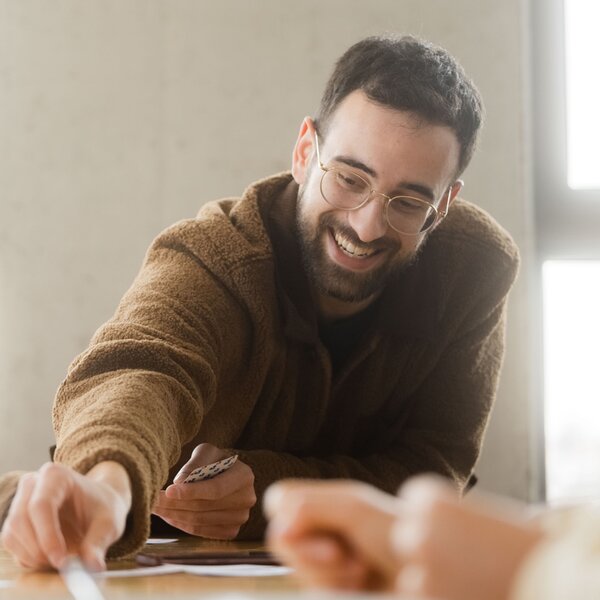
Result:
{"points": [[335, 281]]}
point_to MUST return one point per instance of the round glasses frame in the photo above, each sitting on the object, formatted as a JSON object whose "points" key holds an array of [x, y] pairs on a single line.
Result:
{"points": [[438, 215]]}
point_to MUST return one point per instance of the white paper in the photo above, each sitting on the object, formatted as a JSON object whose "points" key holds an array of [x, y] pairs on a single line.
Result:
{"points": [[161, 540], [140, 572], [237, 570], [6, 584], [206, 570], [300, 595]]}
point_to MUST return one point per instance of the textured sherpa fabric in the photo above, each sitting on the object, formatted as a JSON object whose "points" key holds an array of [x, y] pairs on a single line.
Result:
{"points": [[8, 488], [217, 341]]}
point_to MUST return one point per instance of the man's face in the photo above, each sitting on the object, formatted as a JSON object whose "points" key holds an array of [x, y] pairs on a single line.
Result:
{"points": [[350, 255]]}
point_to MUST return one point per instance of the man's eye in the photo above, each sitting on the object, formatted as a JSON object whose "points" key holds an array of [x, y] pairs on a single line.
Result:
{"points": [[408, 204], [350, 181]]}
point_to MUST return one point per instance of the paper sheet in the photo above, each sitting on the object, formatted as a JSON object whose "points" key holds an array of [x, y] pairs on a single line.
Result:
{"points": [[6, 584], [141, 572], [237, 570], [161, 540], [206, 570]]}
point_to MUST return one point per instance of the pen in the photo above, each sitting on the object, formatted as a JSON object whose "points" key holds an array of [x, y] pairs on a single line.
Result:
{"points": [[78, 580]]}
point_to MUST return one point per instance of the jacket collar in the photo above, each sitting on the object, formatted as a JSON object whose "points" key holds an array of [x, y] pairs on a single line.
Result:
{"points": [[408, 306]]}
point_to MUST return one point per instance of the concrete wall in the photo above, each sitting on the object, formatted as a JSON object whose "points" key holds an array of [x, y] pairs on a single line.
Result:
{"points": [[118, 117]]}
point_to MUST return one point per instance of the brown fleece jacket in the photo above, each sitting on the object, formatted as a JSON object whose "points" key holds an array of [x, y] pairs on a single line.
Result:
{"points": [[217, 341]]}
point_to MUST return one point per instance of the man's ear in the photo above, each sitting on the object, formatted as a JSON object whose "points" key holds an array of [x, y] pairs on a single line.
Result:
{"points": [[303, 150], [457, 186], [451, 195], [448, 199]]}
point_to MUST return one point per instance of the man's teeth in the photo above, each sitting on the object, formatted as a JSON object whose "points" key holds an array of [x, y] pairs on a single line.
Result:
{"points": [[347, 246]]}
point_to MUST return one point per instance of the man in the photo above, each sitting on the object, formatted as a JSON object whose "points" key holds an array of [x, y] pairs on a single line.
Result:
{"points": [[344, 320], [428, 544]]}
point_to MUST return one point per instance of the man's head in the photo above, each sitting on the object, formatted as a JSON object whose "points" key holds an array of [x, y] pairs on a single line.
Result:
{"points": [[408, 74], [386, 124]]}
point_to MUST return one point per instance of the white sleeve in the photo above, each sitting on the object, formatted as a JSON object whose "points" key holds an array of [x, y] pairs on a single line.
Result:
{"points": [[567, 563]]}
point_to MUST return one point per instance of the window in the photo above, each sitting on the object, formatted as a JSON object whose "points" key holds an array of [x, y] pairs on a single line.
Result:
{"points": [[567, 200], [582, 51], [571, 365]]}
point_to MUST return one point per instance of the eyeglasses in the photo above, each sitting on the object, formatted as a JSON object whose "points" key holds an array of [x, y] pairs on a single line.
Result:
{"points": [[345, 189]]}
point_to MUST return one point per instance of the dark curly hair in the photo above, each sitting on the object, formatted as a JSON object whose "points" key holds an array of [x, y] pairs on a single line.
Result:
{"points": [[406, 73]]}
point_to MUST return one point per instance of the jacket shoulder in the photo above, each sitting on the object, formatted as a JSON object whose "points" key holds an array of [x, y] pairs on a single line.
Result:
{"points": [[475, 260], [471, 230], [230, 231]]}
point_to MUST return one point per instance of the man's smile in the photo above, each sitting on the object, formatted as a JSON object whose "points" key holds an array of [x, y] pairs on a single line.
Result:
{"points": [[348, 246], [350, 254]]}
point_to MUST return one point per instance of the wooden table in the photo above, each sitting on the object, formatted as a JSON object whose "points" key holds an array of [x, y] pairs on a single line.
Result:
{"points": [[48, 585]]}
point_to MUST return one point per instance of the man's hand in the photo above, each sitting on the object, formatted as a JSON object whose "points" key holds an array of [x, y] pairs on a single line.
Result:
{"points": [[215, 508], [457, 550], [57, 511], [335, 534]]}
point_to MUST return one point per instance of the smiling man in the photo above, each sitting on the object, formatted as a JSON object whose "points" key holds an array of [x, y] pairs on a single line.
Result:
{"points": [[354, 239], [342, 320]]}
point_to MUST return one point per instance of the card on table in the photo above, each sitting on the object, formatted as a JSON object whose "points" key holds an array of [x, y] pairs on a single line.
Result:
{"points": [[212, 470]]}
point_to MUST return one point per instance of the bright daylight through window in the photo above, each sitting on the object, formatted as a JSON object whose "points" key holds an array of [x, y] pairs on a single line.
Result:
{"points": [[582, 50], [572, 384]]}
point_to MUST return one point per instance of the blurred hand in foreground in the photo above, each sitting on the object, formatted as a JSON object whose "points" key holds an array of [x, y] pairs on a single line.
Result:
{"points": [[426, 544], [336, 534]]}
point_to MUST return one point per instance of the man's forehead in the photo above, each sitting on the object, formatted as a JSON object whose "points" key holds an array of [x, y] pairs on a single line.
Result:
{"points": [[357, 104], [357, 112], [383, 137]]}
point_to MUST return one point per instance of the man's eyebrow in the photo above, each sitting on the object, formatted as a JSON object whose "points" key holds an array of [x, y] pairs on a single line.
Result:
{"points": [[352, 162], [419, 189], [422, 190]]}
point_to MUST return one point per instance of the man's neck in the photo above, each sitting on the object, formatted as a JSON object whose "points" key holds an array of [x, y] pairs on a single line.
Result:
{"points": [[331, 309]]}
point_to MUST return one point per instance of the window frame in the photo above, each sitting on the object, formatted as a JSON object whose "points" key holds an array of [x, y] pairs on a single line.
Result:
{"points": [[567, 220]]}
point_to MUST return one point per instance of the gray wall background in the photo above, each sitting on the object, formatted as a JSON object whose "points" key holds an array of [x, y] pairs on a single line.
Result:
{"points": [[118, 117]]}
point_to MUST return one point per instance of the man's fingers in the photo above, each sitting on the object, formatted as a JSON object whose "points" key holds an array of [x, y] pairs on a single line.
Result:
{"points": [[57, 510], [101, 534], [213, 517], [18, 534], [19, 539], [214, 532], [237, 477], [26, 556], [53, 486], [244, 498], [214, 508], [203, 454], [233, 502]]}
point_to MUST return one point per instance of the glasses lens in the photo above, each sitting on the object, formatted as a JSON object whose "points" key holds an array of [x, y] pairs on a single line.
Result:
{"points": [[343, 188], [410, 215]]}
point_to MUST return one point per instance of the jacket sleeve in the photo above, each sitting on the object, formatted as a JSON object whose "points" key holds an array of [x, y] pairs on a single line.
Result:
{"points": [[8, 487], [140, 390], [567, 563]]}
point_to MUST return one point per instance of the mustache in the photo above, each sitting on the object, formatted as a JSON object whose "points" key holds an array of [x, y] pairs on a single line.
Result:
{"points": [[328, 221]]}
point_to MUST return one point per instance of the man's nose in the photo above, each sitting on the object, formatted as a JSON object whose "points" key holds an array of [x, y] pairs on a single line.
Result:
{"points": [[369, 220]]}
